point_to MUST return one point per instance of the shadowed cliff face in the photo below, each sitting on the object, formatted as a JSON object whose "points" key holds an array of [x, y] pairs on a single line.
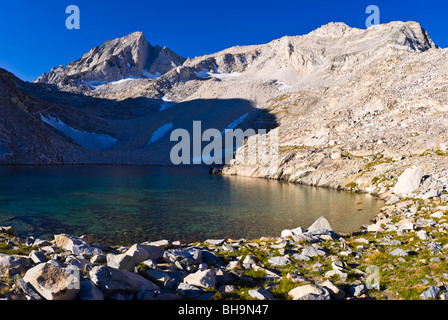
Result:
{"points": [[93, 130]]}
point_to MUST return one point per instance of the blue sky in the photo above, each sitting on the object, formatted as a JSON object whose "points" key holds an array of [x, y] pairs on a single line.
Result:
{"points": [[34, 37]]}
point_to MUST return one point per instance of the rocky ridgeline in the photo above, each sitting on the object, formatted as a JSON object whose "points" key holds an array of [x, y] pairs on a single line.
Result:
{"points": [[402, 255]]}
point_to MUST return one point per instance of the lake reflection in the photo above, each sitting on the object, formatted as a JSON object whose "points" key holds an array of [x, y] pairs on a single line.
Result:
{"points": [[128, 204]]}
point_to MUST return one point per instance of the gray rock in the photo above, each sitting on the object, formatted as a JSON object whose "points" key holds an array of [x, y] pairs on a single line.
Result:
{"points": [[80, 263], [409, 181], [205, 279], [26, 288], [339, 265], [41, 243], [268, 274], [138, 253], [295, 277], [89, 291], [307, 237], [192, 255], [156, 276], [111, 279], [422, 235], [211, 259], [431, 293], [166, 244], [14, 264], [98, 258], [146, 295], [120, 261], [398, 253], [260, 294], [250, 260], [362, 240], [437, 215], [226, 277], [435, 259], [280, 245], [342, 275], [334, 290], [226, 247], [430, 194], [215, 242], [233, 265], [76, 245], [312, 251], [292, 232], [150, 264], [227, 288], [279, 261], [309, 292], [189, 290], [299, 256], [444, 296], [321, 225], [435, 247], [357, 289], [154, 252]]}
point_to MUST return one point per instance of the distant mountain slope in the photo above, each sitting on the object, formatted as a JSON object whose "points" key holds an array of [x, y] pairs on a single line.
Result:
{"points": [[334, 84], [26, 139]]}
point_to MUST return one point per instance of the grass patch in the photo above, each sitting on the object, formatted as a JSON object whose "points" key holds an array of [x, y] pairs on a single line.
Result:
{"points": [[20, 250]]}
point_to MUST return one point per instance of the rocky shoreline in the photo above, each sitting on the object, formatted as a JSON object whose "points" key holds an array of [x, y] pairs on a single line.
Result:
{"points": [[402, 255]]}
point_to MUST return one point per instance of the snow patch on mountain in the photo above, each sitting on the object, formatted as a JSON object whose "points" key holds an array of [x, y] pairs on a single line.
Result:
{"points": [[167, 104], [205, 74], [89, 140], [159, 133], [236, 122]]}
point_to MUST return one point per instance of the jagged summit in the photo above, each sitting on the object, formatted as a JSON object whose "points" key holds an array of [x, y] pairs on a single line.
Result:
{"points": [[129, 56], [331, 46]]}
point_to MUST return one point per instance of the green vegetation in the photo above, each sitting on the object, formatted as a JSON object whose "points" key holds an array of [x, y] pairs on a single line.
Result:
{"points": [[19, 250], [433, 153], [352, 185]]}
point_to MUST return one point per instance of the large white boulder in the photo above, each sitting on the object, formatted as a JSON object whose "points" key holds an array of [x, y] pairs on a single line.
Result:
{"points": [[53, 281], [320, 225], [409, 181]]}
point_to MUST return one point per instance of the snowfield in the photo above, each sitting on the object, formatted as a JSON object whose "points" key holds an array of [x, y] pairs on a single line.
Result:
{"points": [[89, 140], [159, 133]]}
